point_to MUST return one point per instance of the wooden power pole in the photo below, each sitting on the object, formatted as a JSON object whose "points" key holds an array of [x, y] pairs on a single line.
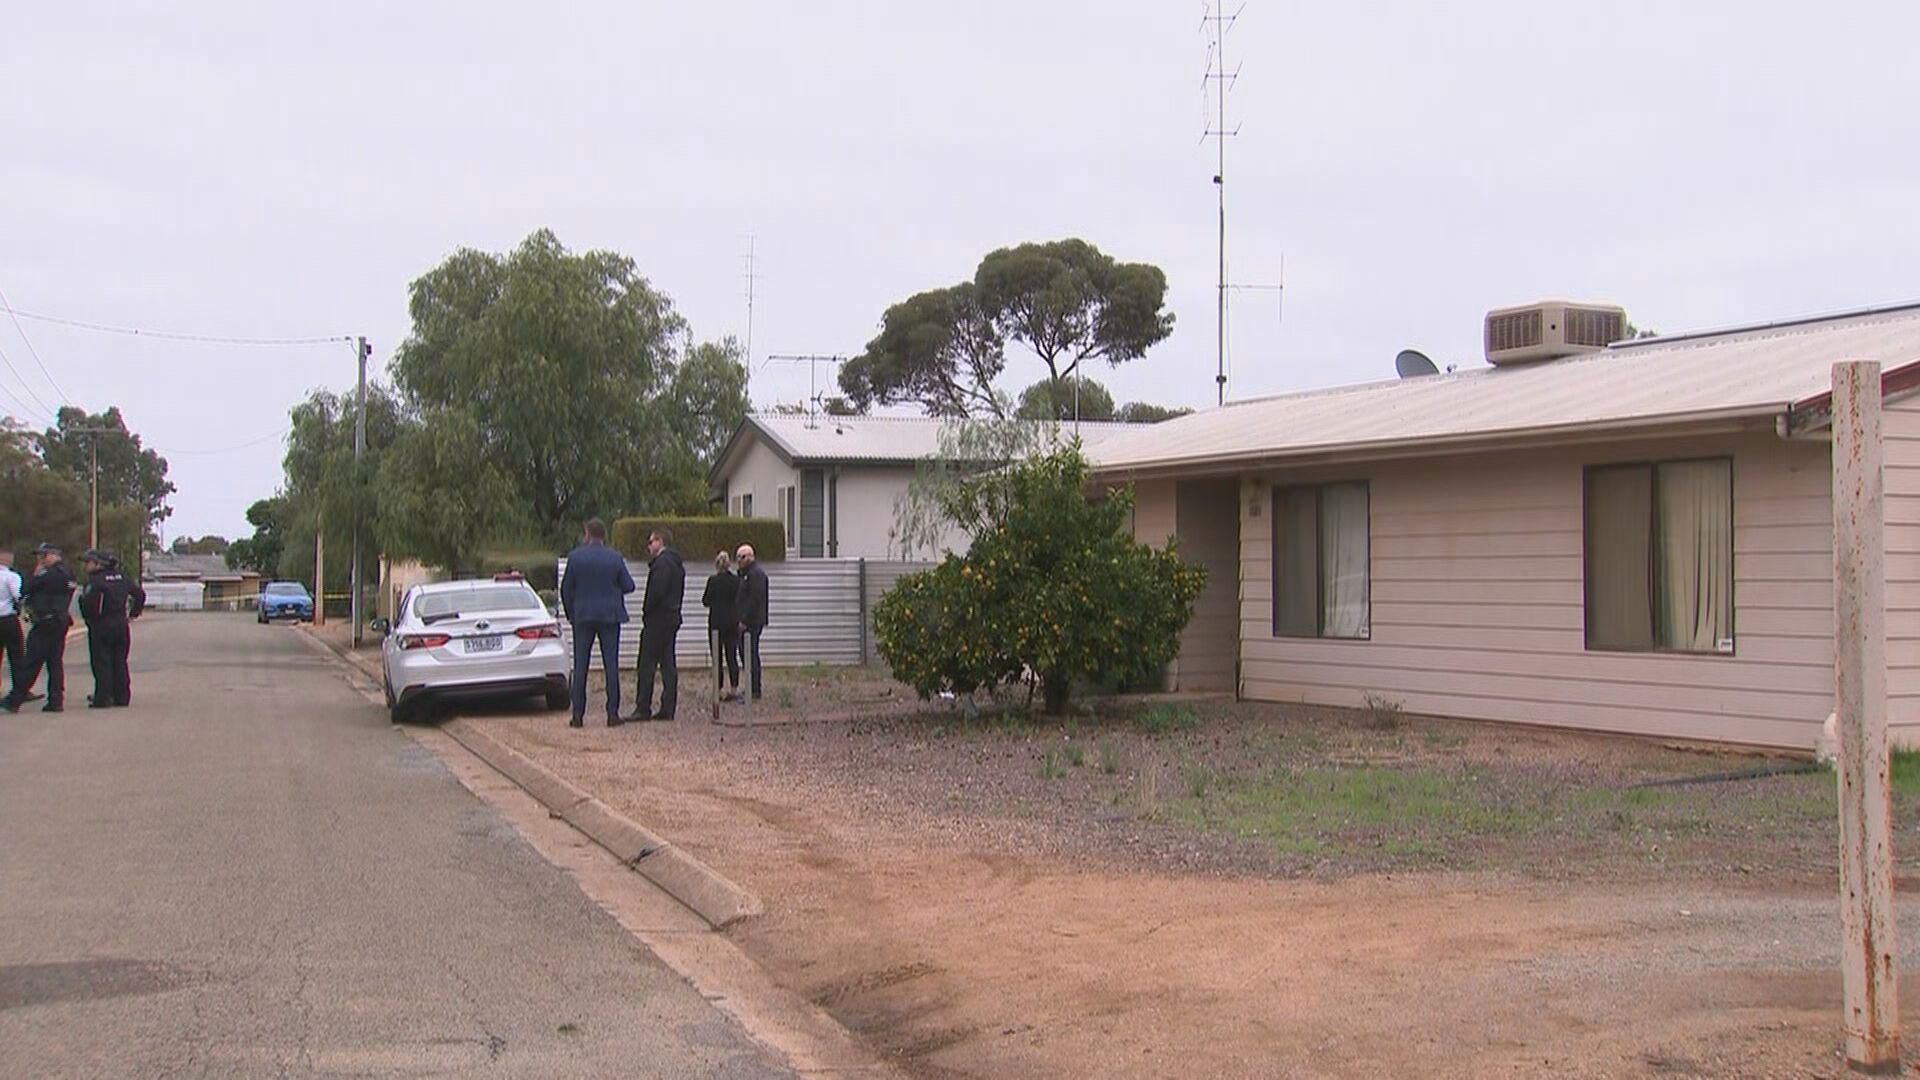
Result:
{"points": [[1870, 949]]}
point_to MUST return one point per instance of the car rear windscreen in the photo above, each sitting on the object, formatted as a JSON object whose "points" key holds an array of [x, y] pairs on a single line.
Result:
{"points": [[475, 601]]}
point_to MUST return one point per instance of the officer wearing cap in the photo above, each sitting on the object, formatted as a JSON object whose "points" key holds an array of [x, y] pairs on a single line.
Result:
{"points": [[108, 602], [47, 597]]}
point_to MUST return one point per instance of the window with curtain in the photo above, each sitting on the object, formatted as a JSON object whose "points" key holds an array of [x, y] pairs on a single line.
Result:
{"points": [[1321, 581], [1659, 557]]}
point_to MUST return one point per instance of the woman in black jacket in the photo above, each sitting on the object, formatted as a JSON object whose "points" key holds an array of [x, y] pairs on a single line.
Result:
{"points": [[723, 588]]}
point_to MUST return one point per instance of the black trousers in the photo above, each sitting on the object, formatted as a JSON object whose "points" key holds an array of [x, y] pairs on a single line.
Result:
{"points": [[14, 641], [729, 655], [752, 635], [585, 634], [656, 651], [46, 648], [107, 646]]}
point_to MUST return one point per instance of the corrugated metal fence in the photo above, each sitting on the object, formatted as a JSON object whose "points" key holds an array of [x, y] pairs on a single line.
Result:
{"points": [[820, 611]]}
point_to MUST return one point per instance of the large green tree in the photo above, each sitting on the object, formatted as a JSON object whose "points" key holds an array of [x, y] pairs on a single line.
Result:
{"points": [[260, 552], [441, 499], [1142, 412], [1066, 302], [1080, 397], [39, 505], [564, 362], [324, 489], [129, 473]]}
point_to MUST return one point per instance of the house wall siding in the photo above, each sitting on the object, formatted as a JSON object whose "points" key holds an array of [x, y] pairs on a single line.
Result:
{"points": [[1900, 433], [760, 474], [868, 497], [1478, 599]]}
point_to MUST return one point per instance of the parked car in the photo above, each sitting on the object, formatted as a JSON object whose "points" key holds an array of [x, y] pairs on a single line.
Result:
{"points": [[285, 600], [471, 639]]}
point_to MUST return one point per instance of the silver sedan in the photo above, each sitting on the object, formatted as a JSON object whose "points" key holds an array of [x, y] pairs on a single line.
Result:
{"points": [[471, 639]]}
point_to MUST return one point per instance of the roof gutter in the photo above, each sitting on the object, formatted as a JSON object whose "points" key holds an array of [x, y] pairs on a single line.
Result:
{"points": [[1715, 420], [1813, 416]]}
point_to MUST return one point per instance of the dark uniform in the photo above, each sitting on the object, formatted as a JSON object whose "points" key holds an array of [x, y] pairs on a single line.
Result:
{"points": [[109, 601], [47, 596], [659, 626]]}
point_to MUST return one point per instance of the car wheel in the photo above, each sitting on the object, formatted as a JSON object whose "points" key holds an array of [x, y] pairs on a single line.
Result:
{"points": [[559, 699]]}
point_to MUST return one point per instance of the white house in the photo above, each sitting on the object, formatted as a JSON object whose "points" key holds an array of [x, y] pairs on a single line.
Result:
{"points": [[1633, 538], [835, 481]]}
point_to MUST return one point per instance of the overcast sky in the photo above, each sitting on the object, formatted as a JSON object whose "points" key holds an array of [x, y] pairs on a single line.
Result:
{"points": [[243, 169]]}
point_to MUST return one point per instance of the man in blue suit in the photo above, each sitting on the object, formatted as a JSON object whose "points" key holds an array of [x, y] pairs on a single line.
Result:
{"points": [[594, 594]]}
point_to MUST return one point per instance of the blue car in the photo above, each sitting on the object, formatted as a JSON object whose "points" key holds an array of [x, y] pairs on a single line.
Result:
{"points": [[285, 600]]}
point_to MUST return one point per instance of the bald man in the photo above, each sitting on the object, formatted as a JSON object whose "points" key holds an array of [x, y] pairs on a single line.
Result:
{"points": [[752, 606]]}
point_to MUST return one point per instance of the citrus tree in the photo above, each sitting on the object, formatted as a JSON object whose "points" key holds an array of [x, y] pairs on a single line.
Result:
{"points": [[1054, 590]]}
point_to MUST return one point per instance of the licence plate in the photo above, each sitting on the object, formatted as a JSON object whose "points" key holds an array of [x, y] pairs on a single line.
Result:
{"points": [[491, 643]]}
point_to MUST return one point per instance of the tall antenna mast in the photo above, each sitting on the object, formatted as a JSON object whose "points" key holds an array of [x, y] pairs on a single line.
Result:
{"points": [[1219, 79], [747, 259], [813, 362]]}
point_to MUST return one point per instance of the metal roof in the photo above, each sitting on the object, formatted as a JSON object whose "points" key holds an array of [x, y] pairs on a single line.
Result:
{"points": [[1724, 375], [158, 565], [871, 440]]}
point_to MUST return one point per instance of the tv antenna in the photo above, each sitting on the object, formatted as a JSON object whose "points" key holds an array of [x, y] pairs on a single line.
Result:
{"points": [[1216, 22], [748, 273], [813, 362]]}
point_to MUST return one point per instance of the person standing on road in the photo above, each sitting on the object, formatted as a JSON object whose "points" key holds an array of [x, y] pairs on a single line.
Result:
{"points": [[593, 592], [660, 626], [48, 597], [12, 639], [108, 602], [723, 622], [752, 610]]}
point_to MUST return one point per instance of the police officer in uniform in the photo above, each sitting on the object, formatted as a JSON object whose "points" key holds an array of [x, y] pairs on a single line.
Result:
{"points": [[108, 602], [47, 597]]}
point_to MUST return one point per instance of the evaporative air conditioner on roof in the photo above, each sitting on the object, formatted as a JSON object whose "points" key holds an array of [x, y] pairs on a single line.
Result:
{"points": [[1550, 330]]}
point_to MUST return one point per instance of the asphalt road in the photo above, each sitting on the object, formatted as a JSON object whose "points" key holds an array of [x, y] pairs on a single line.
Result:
{"points": [[249, 873]]}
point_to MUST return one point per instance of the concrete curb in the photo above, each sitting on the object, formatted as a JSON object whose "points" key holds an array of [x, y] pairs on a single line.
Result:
{"points": [[701, 888]]}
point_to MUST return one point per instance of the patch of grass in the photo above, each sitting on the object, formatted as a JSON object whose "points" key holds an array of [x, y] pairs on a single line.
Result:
{"points": [[814, 671], [1320, 809], [783, 697], [1443, 740], [1165, 718], [1077, 755], [1109, 756], [1906, 773], [1199, 780], [1384, 713], [1050, 767]]}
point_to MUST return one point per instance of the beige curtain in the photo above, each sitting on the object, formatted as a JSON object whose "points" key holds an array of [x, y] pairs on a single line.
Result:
{"points": [[1619, 563], [1694, 573], [1343, 561]]}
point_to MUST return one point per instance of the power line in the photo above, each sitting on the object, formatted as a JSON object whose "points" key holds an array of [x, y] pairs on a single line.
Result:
{"points": [[31, 351], [170, 335], [45, 413], [227, 449]]}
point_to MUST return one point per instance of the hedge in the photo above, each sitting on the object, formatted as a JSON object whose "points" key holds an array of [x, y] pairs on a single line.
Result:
{"points": [[699, 538]]}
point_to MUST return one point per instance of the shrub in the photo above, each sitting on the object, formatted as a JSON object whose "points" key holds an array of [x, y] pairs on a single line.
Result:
{"points": [[1053, 590], [697, 538]]}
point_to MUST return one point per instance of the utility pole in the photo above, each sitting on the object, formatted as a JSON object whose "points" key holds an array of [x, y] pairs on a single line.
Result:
{"points": [[1870, 946], [93, 490], [320, 572], [360, 351]]}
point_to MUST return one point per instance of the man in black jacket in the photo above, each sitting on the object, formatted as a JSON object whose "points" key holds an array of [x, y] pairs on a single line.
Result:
{"points": [[659, 626], [47, 597], [752, 606], [108, 602]]}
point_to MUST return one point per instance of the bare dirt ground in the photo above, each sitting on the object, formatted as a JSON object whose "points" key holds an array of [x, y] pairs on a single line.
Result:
{"points": [[1235, 890]]}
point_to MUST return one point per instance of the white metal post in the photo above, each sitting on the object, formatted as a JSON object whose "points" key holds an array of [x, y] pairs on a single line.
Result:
{"points": [[1872, 1019], [359, 448]]}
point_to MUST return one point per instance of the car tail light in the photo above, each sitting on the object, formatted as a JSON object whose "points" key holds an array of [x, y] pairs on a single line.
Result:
{"points": [[535, 633], [423, 641]]}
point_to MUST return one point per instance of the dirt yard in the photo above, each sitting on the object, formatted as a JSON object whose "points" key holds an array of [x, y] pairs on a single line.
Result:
{"points": [[1183, 889]]}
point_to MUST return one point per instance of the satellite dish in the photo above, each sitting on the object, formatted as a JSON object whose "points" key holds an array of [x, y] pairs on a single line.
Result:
{"points": [[1412, 363]]}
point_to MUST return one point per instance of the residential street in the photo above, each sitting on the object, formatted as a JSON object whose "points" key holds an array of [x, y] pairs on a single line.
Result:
{"points": [[249, 873]]}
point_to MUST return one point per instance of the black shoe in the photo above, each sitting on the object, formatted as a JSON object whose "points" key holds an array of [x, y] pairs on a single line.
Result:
{"points": [[665, 716], [614, 721], [10, 705], [54, 707], [31, 696], [576, 722], [92, 704]]}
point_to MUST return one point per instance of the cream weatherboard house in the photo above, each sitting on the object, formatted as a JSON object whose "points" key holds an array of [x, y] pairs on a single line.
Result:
{"points": [[1635, 538], [835, 481]]}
